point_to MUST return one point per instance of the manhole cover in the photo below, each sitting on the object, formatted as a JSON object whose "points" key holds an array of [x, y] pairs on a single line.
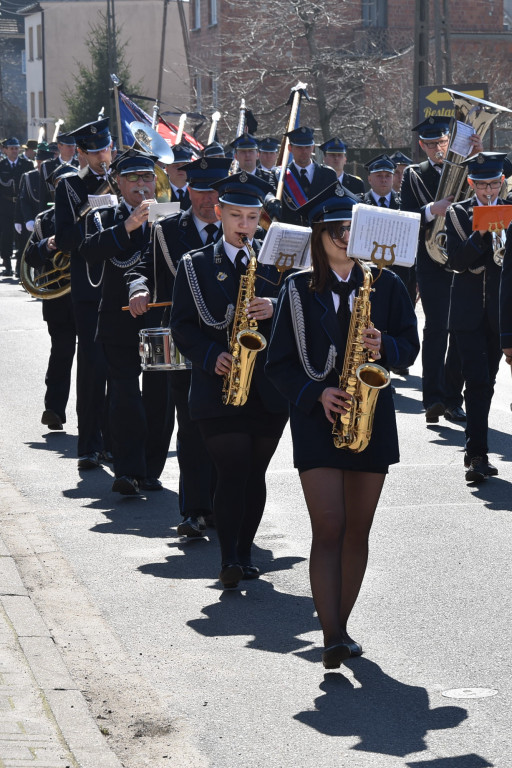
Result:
{"points": [[470, 693]]}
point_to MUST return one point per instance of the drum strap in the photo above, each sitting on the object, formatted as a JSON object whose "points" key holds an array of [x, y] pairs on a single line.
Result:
{"points": [[299, 329], [199, 301]]}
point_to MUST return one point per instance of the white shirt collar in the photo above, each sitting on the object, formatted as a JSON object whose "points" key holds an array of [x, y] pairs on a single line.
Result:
{"points": [[232, 250]]}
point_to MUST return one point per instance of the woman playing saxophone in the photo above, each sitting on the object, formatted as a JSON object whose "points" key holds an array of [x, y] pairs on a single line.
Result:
{"points": [[307, 349], [221, 296]]}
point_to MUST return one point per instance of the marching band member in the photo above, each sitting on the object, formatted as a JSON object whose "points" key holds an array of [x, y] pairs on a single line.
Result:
{"points": [[401, 162], [177, 173], [66, 150], [307, 351], [57, 313], [241, 439], [474, 305], [154, 276], [441, 374], [268, 149], [335, 156], [12, 168], [506, 300], [93, 142], [246, 154], [141, 423]]}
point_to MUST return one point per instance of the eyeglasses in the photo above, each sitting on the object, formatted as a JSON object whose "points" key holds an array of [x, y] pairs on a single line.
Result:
{"points": [[340, 231], [485, 184], [437, 143], [136, 176]]}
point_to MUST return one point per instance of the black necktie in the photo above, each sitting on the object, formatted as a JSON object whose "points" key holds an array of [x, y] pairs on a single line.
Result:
{"points": [[181, 195], [383, 202], [343, 313], [211, 230], [304, 182], [240, 268]]}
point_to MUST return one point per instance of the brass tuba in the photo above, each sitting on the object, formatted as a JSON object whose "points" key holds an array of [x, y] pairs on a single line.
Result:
{"points": [[246, 340], [479, 114], [51, 281], [361, 377], [148, 140]]}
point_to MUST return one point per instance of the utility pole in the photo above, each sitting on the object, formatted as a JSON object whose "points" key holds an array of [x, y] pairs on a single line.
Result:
{"points": [[162, 51], [420, 74], [442, 42]]}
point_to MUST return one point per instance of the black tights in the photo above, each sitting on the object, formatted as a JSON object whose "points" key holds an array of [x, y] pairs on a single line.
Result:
{"points": [[341, 506], [241, 461]]}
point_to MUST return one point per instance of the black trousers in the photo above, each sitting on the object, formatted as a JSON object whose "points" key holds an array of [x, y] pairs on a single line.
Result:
{"points": [[442, 379], [91, 381], [7, 233], [480, 353], [62, 352], [196, 466], [141, 422]]}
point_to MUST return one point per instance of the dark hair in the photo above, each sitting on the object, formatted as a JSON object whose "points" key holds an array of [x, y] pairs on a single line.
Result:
{"points": [[321, 275]]}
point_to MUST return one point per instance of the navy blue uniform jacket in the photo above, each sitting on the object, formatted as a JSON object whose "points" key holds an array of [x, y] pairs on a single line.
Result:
{"points": [[393, 314], [202, 344], [472, 296], [506, 295], [102, 244]]}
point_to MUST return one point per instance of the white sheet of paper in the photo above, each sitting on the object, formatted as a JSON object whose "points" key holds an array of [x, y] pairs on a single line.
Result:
{"points": [[461, 143], [286, 245], [100, 201], [382, 233], [161, 210]]}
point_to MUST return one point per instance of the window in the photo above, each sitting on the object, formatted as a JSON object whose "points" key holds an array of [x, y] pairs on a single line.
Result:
{"points": [[31, 43], [375, 13], [197, 14], [214, 90], [39, 54], [41, 104], [212, 13], [23, 62], [32, 104]]}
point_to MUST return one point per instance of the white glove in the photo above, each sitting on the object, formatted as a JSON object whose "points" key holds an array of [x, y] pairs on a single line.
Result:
{"points": [[18, 228], [30, 225]]}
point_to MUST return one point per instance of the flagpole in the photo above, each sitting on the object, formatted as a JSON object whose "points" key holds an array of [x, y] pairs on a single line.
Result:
{"points": [[116, 82]]}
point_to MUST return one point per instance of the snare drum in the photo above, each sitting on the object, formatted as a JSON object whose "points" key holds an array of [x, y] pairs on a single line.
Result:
{"points": [[158, 352]]}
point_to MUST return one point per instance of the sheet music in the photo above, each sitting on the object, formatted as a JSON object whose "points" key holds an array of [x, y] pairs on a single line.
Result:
{"points": [[100, 201], [381, 233], [461, 143], [286, 246], [161, 210]]}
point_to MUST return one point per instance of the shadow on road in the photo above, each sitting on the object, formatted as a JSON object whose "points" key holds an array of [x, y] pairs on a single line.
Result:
{"points": [[389, 717]]}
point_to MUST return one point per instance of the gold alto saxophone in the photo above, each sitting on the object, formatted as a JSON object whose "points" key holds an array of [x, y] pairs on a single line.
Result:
{"points": [[246, 341], [361, 377]]}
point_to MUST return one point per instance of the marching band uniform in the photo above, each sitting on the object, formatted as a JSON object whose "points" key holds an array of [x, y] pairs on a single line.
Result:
{"points": [[441, 368], [474, 312], [240, 439], [10, 177], [70, 198], [306, 355], [247, 143], [506, 298], [46, 189], [336, 146], [179, 193], [141, 424], [58, 315], [171, 238], [302, 183]]}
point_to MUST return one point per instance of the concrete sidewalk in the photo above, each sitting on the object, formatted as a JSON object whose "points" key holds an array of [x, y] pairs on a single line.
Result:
{"points": [[44, 719]]}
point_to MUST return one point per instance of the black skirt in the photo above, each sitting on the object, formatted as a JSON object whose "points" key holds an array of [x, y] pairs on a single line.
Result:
{"points": [[251, 418]]}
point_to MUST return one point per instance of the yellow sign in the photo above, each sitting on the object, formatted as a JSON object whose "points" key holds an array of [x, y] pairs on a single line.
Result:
{"points": [[436, 95]]}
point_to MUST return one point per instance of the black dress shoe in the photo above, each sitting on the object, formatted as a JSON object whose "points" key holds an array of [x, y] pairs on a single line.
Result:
{"points": [[89, 461], [192, 526], [477, 471], [455, 414], [355, 648], [333, 656], [250, 572], [127, 486], [400, 371], [107, 457], [150, 484], [491, 471], [230, 574], [51, 419], [433, 412]]}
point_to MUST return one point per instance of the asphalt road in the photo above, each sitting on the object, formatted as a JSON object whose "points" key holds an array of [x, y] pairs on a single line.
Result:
{"points": [[238, 673]]}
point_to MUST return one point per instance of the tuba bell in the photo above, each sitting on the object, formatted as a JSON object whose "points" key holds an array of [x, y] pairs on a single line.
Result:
{"points": [[478, 114], [148, 140]]}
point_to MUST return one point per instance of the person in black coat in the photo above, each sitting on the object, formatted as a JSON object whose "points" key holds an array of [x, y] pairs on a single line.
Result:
{"points": [[304, 178], [71, 199], [58, 315], [241, 439], [442, 379], [506, 299], [66, 149], [335, 156], [154, 277], [474, 305], [177, 174], [381, 172], [305, 359], [141, 423], [246, 154], [12, 168]]}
